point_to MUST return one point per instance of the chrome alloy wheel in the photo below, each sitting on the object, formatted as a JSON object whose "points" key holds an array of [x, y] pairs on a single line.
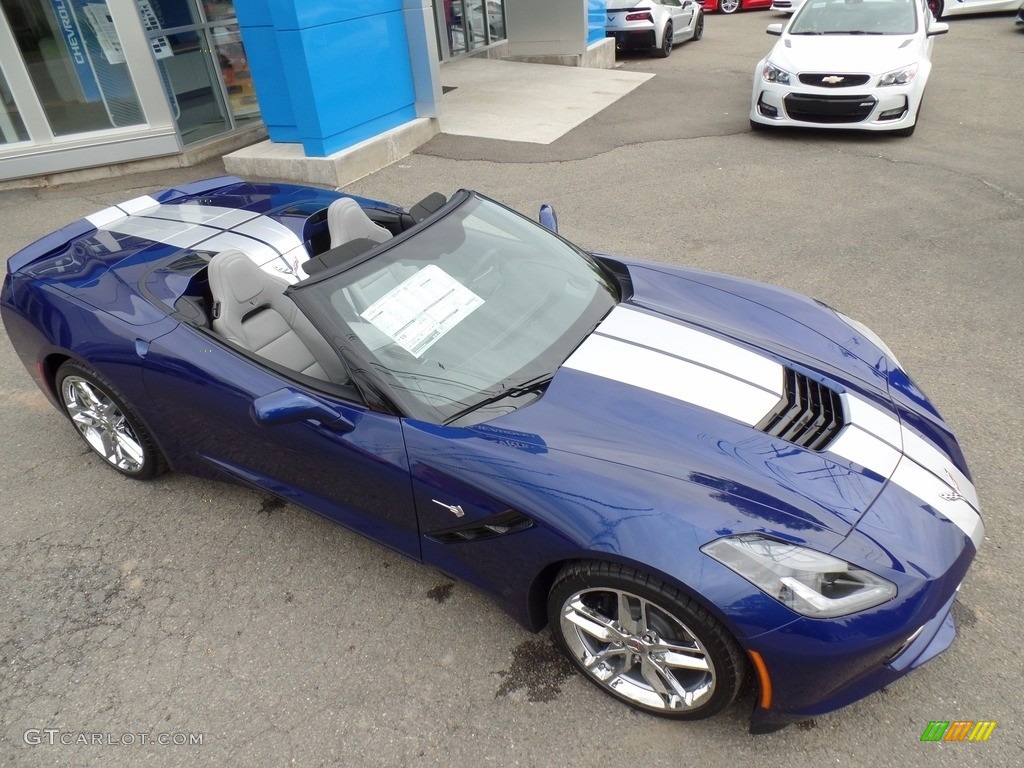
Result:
{"points": [[729, 6], [637, 650], [102, 424]]}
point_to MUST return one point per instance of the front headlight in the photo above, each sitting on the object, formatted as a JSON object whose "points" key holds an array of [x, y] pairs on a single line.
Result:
{"points": [[903, 76], [772, 74], [806, 581]]}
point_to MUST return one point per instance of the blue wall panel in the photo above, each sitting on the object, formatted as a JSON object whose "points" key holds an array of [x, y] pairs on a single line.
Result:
{"points": [[270, 77], [597, 11], [329, 75], [302, 14]]}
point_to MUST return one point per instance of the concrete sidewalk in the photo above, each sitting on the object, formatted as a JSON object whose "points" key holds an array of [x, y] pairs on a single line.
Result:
{"points": [[484, 98]]}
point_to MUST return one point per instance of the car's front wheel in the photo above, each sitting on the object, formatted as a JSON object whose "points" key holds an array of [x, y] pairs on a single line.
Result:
{"points": [[106, 423], [729, 6], [666, 42], [644, 642], [698, 30]]}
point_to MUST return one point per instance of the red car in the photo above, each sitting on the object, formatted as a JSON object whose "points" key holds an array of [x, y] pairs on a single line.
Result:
{"points": [[731, 6]]}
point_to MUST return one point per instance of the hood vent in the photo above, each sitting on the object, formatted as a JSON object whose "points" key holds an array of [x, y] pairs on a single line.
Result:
{"points": [[809, 413]]}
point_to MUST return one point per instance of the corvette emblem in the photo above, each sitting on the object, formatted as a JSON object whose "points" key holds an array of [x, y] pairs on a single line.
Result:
{"points": [[954, 495], [833, 79], [455, 509]]}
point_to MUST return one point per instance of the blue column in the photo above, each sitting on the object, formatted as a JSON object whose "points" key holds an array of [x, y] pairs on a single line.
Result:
{"points": [[597, 12], [328, 74]]}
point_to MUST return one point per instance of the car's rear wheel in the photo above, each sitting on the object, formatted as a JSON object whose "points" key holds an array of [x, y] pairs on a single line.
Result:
{"points": [[729, 6], [106, 423], [644, 642], [698, 30], [666, 42]]}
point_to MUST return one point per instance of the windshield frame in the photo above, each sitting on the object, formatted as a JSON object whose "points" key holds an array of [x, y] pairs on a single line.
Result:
{"points": [[812, 7], [379, 385]]}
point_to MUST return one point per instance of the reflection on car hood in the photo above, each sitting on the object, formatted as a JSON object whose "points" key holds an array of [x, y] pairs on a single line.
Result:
{"points": [[678, 379], [868, 54]]}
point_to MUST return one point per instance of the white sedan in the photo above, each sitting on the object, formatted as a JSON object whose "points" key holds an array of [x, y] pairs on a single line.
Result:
{"points": [[942, 8], [844, 64]]}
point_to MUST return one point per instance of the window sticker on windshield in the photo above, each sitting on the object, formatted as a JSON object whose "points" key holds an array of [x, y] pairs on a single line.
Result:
{"points": [[422, 309]]}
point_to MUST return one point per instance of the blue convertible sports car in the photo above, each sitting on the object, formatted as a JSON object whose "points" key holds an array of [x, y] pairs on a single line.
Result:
{"points": [[693, 479]]}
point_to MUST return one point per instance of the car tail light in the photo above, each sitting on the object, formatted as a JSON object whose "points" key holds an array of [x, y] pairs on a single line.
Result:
{"points": [[646, 16]]}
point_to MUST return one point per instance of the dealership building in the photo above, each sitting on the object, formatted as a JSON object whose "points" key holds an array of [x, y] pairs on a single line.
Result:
{"points": [[291, 85]]}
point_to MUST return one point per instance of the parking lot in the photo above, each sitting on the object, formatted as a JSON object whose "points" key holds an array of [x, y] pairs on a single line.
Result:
{"points": [[183, 608]]}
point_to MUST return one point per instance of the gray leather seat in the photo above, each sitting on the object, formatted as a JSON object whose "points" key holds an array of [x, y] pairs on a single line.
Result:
{"points": [[346, 221], [251, 310]]}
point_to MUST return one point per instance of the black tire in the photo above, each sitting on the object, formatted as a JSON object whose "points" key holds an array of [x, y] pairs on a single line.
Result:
{"points": [[909, 131], [107, 423], [729, 6], [698, 30], [669, 657], [937, 7], [666, 43]]}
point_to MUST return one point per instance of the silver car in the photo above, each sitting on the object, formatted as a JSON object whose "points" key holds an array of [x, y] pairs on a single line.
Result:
{"points": [[655, 25]]}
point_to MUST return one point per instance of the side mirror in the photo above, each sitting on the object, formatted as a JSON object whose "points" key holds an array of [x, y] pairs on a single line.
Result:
{"points": [[287, 406], [938, 28], [548, 217], [774, 29]]}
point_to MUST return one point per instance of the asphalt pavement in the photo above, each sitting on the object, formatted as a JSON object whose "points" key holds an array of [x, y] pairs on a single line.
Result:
{"points": [[184, 611]]}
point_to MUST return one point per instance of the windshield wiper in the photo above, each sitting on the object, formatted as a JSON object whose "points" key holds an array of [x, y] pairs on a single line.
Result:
{"points": [[808, 32], [537, 384]]}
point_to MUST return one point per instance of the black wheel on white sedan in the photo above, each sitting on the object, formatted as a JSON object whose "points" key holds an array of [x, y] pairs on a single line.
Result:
{"points": [[729, 6], [644, 642], [698, 30], [909, 130], [666, 42], [106, 423]]}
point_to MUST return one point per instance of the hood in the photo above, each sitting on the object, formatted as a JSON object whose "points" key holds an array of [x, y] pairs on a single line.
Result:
{"points": [[869, 54], [764, 396]]}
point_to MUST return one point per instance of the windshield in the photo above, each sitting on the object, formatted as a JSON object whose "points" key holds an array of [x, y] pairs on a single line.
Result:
{"points": [[479, 305], [855, 17]]}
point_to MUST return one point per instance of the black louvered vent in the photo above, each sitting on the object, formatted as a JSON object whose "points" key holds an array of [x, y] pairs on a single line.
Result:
{"points": [[809, 413], [508, 521]]}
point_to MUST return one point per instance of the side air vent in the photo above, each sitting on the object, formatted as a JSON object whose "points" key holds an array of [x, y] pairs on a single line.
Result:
{"points": [[508, 521], [809, 414]]}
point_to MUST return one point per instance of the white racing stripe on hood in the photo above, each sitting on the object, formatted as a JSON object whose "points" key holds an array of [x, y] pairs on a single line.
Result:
{"points": [[660, 356], [936, 493], [693, 345], [876, 441], [679, 362]]}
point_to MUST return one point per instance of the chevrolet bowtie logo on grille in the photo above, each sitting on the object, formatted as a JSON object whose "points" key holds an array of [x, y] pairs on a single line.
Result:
{"points": [[833, 79]]}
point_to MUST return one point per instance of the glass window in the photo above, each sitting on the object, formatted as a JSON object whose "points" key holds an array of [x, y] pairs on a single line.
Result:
{"points": [[218, 10], [182, 50], [11, 127], [467, 309], [73, 55], [234, 70], [472, 24]]}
